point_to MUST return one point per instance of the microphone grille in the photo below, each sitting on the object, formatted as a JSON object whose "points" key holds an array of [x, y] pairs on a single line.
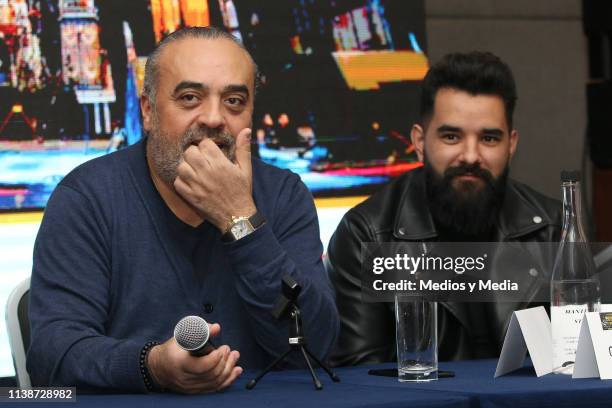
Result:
{"points": [[191, 332]]}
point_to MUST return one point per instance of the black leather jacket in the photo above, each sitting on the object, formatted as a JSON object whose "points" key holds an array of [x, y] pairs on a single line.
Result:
{"points": [[399, 213]]}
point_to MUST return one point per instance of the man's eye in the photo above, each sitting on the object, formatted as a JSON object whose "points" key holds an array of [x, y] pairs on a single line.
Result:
{"points": [[451, 137], [490, 139], [189, 98], [235, 101]]}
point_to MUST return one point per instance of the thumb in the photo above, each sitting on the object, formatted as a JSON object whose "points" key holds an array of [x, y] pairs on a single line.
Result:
{"points": [[215, 329], [243, 150]]}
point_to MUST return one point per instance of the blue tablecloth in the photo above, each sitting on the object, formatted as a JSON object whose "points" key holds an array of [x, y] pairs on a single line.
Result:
{"points": [[474, 379], [473, 386]]}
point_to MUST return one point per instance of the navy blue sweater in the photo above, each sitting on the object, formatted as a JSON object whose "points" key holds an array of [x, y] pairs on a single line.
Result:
{"points": [[114, 268]]}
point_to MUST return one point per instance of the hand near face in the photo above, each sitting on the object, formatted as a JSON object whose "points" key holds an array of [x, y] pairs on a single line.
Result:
{"points": [[217, 188], [175, 369]]}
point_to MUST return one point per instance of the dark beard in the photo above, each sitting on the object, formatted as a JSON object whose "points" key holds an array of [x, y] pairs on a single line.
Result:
{"points": [[469, 212]]}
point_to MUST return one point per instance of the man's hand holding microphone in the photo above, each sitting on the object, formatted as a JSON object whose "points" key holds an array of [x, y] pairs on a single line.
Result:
{"points": [[189, 364]]}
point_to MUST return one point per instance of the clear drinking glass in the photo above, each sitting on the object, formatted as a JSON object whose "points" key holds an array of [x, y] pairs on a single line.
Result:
{"points": [[416, 325]]}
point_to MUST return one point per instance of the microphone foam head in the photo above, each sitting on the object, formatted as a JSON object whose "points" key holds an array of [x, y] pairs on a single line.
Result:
{"points": [[191, 332]]}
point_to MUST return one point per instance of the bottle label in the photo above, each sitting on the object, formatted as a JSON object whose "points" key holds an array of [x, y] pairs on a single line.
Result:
{"points": [[566, 322]]}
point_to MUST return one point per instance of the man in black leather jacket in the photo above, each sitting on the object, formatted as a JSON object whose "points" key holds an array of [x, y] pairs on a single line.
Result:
{"points": [[465, 139]]}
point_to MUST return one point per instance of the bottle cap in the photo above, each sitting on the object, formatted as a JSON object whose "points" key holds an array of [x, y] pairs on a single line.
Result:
{"points": [[569, 176]]}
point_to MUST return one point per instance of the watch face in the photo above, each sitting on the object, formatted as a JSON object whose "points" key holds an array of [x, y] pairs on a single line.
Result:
{"points": [[241, 228]]}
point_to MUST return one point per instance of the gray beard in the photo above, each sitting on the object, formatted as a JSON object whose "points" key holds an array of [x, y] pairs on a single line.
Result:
{"points": [[167, 151]]}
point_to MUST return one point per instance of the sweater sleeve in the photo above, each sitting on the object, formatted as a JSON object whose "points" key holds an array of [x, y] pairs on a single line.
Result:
{"points": [[289, 245], [69, 302]]}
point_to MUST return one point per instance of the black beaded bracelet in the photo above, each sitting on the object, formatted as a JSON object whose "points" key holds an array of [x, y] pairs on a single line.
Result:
{"points": [[144, 370]]}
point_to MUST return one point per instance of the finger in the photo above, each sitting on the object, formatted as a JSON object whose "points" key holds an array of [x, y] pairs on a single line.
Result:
{"points": [[230, 364], [211, 370], [243, 150], [236, 372], [211, 151], [227, 368], [214, 329], [182, 188], [212, 382], [195, 158], [196, 367], [214, 374], [186, 172]]}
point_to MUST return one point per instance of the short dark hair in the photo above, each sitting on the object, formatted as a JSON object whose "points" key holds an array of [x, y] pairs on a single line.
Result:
{"points": [[151, 76], [474, 72]]}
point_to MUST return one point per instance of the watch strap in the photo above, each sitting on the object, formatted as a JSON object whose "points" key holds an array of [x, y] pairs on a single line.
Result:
{"points": [[256, 220]]}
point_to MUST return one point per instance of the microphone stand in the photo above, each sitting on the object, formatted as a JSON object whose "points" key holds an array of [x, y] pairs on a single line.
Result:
{"points": [[297, 340]]}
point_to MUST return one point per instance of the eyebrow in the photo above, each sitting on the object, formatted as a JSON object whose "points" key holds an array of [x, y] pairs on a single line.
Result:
{"points": [[488, 131], [493, 131], [448, 128], [202, 87], [236, 88], [189, 85]]}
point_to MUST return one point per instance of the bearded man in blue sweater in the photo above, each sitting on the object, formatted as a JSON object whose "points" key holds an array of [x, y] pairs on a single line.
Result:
{"points": [[185, 222]]}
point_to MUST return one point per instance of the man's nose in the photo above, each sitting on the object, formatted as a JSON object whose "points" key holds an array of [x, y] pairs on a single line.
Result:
{"points": [[211, 115], [471, 152]]}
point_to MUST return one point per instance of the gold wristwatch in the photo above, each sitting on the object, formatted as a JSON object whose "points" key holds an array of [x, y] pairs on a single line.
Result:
{"points": [[242, 226]]}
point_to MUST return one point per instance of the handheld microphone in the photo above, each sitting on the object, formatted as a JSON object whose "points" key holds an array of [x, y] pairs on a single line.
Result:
{"points": [[192, 334]]}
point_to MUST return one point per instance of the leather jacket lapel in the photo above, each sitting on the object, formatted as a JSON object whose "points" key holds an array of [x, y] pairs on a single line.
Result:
{"points": [[413, 221]]}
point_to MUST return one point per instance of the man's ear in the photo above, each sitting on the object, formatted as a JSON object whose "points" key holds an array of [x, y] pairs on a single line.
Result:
{"points": [[147, 111], [417, 135], [514, 138]]}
